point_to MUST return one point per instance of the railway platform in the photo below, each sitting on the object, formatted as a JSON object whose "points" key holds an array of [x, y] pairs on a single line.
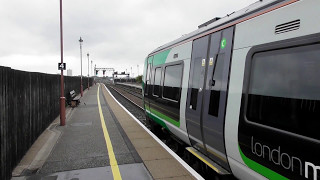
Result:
{"points": [[100, 140]]}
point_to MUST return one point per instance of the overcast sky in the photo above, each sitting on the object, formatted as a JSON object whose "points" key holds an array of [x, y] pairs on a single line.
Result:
{"points": [[116, 33]]}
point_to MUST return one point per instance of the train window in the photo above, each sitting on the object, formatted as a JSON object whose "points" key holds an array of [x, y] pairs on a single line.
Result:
{"points": [[216, 86], [148, 79], [152, 77], [149, 72], [172, 82], [195, 85], [283, 90], [156, 83]]}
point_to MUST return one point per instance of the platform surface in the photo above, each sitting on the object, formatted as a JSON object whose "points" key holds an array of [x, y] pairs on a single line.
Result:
{"points": [[81, 151]]}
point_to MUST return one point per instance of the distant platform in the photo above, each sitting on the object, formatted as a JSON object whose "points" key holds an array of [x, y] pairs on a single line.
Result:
{"points": [[136, 85]]}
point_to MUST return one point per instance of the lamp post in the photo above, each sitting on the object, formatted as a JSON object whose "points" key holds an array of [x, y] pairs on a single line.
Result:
{"points": [[88, 71], [81, 87], [96, 74], [91, 72], [62, 98], [91, 69], [138, 69]]}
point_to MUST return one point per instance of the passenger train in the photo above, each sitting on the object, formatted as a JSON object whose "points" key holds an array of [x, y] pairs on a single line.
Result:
{"points": [[243, 91]]}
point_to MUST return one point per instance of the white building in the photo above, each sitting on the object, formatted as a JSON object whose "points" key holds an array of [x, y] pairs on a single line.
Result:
{"points": [[69, 72]]}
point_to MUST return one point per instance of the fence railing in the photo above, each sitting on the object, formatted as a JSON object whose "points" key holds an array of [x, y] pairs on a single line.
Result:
{"points": [[29, 102]]}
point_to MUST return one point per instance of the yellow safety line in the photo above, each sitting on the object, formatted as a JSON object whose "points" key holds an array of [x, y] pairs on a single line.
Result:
{"points": [[113, 161], [203, 160]]}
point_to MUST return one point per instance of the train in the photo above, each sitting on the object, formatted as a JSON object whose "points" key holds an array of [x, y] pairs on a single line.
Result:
{"points": [[242, 92]]}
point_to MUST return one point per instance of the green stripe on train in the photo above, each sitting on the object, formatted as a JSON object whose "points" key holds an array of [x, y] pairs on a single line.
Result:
{"points": [[162, 116], [266, 172], [157, 120], [161, 57], [159, 117]]}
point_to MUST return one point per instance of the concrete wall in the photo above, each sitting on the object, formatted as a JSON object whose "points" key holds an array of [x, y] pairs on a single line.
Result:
{"points": [[29, 102]]}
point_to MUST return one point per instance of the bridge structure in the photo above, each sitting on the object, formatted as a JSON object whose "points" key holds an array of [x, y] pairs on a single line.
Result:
{"points": [[96, 70], [115, 74]]}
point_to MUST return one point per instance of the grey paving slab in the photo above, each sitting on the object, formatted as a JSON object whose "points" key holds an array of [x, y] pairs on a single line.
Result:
{"points": [[82, 174], [128, 172], [59, 166], [134, 172]]}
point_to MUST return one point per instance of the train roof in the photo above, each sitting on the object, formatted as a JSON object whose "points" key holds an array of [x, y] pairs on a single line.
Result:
{"points": [[219, 22]]}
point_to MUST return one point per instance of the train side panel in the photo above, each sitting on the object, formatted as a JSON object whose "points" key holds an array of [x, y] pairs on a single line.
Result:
{"points": [[271, 132]]}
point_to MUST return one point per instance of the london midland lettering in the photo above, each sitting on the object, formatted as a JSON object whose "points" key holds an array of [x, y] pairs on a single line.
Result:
{"points": [[282, 159]]}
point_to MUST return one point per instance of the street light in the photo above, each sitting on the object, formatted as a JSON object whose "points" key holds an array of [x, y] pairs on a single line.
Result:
{"points": [[91, 71], [81, 87], [62, 98], [138, 69], [88, 71]]}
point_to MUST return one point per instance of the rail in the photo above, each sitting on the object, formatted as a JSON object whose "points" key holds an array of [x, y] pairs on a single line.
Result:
{"points": [[132, 89]]}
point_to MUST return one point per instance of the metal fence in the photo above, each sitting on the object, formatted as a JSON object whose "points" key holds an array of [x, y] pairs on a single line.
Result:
{"points": [[29, 102]]}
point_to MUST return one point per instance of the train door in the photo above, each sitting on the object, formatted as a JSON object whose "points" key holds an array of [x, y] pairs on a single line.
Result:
{"points": [[205, 122], [195, 91], [215, 95]]}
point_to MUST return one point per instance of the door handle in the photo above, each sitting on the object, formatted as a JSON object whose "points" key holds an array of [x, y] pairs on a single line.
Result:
{"points": [[213, 82]]}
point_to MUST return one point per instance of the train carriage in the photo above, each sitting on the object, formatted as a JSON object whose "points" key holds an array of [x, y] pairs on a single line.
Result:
{"points": [[243, 91]]}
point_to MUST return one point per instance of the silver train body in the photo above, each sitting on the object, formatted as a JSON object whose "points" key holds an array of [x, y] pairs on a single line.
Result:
{"points": [[243, 91]]}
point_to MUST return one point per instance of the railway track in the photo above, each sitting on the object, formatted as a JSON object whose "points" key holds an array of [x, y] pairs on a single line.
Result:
{"points": [[133, 90], [131, 102]]}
